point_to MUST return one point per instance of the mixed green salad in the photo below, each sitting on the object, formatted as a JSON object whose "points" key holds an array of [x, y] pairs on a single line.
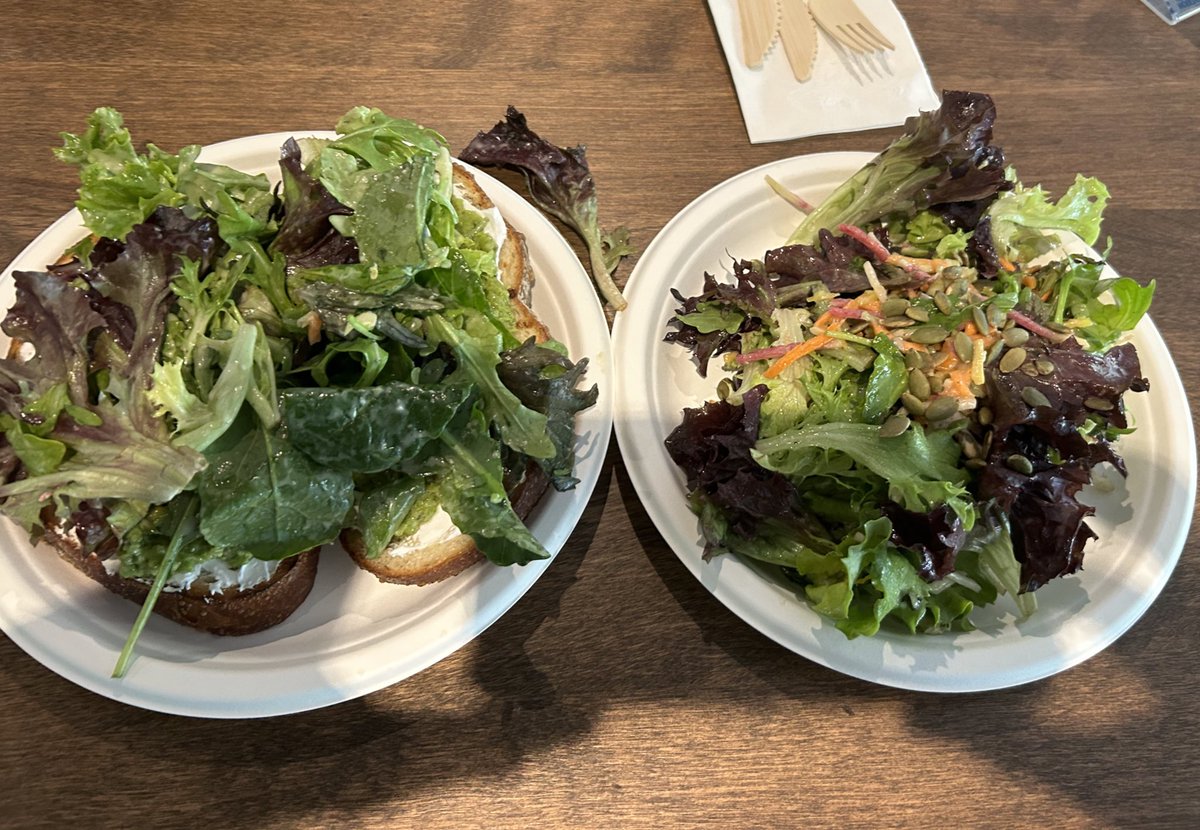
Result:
{"points": [[920, 382], [225, 370]]}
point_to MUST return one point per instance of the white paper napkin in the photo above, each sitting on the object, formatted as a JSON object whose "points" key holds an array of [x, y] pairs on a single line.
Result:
{"points": [[847, 91]]}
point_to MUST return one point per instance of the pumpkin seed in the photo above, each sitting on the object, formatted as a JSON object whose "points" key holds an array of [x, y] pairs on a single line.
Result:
{"points": [[899, 322], [917, 313], [996, 315], [894, 426], [912, 359], [984, 415], [928, 334], [894, 307], [980, 319], [1098, 404], [969, 448], [912, 403], [975, 464], [1015, 337], [918, 384], [941, 408], [937, 383], [962, 346], [942, 302], [1029, 370], [993, 352], [1044, 366], [1019, 463], [1034, 397], [1012, 359]]}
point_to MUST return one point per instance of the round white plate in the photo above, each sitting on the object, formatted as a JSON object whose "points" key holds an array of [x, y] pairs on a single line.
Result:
{"points": [[1142, 524], [353, 634]]}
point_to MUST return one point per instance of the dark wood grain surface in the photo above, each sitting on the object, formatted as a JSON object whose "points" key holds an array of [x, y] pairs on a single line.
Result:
{"points": [[618, 692]]}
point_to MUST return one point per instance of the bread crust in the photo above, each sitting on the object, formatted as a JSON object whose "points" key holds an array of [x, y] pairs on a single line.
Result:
{"points": [[235, 612]]}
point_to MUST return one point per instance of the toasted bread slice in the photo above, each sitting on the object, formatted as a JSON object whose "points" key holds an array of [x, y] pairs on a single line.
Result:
{"points": [[440, 551], [232, 611], [448, 553]]}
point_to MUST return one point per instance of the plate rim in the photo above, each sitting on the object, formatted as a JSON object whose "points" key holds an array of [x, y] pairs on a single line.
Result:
{"points": [[630, 323], [555, 263]]}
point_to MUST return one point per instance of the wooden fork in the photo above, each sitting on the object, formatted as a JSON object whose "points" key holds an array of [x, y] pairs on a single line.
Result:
{"points": [[846, 24]]}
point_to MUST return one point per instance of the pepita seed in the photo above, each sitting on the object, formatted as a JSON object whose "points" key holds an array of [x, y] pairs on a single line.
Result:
{"points": [[996, 315], [1019, 463], [894, 426], [1015, 337], [894, 307], [980, 318], [928, 335], [1044, 366], [918, 384], [962, 346], [912, 359], [939, 359], [1058, 327], [1098, 404], [912, 403], [917, 313], [976, 389], [1034, 397], [969, 448], [984, 415], [993, 352], [1029, 370], [975, 464], [937, 383], [941, 408], [1013, 359], [900, 322], [942, 302]]}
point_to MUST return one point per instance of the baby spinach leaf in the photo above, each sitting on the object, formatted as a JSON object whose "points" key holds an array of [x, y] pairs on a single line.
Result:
{"points": [[371, 429], [381, 511], [266, 497]]}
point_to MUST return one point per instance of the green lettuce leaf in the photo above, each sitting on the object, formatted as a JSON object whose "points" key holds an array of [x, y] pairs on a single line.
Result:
{"points": [[1024, 209]]}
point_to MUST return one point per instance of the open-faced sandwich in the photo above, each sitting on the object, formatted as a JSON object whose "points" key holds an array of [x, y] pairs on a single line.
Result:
{"points": [[224, 376]]}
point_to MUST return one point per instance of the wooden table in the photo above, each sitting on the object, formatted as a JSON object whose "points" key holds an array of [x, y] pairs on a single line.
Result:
{"points": [[618, 692]]}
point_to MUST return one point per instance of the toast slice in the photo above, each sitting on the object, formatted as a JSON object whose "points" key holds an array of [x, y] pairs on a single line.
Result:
{"points": [[232, 611], [439, 551]]}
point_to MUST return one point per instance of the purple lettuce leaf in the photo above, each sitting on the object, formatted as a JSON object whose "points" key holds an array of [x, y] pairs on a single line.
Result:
{"points": [[935, 537], [306, 237], [835, 261], [750, 299], [712, 446], [1047, 520], [561, 184]]}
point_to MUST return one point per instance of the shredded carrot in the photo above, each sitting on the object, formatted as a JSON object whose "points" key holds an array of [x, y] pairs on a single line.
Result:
{"points": [[798, 351], [1007, 265], [970, 329], [1029, 281]]}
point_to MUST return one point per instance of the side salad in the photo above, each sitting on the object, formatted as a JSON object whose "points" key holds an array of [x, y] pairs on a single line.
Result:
{"points": [[228, 373], [919, 383]]}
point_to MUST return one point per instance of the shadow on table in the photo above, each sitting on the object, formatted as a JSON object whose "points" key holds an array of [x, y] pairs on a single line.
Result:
{"points": [[508, 699]]}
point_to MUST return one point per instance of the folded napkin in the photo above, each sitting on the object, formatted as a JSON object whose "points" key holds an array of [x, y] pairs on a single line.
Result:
{"points": [[847, 91]]}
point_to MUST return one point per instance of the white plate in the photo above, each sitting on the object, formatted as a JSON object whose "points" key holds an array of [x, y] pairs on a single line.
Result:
{"points": [[352, 635], [1141, 529]]}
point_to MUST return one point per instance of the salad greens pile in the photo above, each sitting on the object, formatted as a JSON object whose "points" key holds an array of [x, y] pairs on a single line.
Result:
{"points": [[920, 383], [224, 370]]}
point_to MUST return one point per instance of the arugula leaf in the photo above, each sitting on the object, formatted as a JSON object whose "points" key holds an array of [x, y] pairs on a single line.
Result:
{"points": [[372, 429], [472, 490], [266, 497], [887, 382], [476, 347]]}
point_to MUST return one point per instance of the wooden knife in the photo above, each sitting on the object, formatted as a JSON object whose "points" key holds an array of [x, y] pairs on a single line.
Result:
{"points": [[798, 31], [760, 22]]}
